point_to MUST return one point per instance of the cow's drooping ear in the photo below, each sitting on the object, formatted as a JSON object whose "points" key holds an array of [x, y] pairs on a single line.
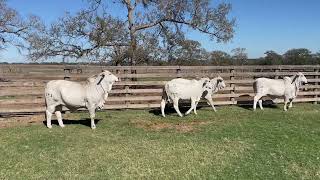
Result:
{"points": [[102, 76], [205, 83], [204, 94], [294, 79]]}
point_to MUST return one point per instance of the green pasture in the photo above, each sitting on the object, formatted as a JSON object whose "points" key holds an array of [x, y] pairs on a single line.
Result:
{"points": [[233, 143]]}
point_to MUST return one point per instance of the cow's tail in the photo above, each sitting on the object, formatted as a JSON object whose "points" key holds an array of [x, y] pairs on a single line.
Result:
{"points": [[48, 95], [255, 87], [164, 100], [45, 97], [45, 100], [164, 94]]}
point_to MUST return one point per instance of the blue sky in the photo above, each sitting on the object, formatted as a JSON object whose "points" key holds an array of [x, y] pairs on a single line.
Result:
{"points": [[262, 25]]}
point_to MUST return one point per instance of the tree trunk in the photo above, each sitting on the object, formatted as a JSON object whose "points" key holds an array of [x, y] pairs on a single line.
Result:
{"points": [[133, 41]]}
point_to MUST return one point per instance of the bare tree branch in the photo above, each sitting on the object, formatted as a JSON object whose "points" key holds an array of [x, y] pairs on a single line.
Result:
{"points": [[151, 28]]}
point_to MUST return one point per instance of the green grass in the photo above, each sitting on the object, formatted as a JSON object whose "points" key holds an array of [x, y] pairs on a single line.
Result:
{"points": [[234, 143], [6, 97]]}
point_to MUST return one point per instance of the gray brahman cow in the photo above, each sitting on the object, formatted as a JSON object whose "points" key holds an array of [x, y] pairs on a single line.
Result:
{"points": [[288, 88], [73, 95], [216, 85]]}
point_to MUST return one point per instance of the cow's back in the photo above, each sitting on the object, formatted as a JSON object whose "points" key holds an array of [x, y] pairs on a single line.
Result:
{"points": [[182, 88], [64, 92], [269, 86]]}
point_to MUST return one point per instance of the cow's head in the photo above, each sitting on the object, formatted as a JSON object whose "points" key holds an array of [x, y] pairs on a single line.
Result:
{"points": [[217, 84], [106, 79], [220, 83], [300, 79]]}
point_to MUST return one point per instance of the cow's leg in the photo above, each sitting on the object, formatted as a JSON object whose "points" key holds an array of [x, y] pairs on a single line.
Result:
{"points": [[162, 106], [211, 103], [193, 105], [59, 116], [260, 104], [92, 116], [176, 106], [286, 100], [195, 109], [197, 102], [285, 106], [255, 100], [49, 111], [290, 105]]}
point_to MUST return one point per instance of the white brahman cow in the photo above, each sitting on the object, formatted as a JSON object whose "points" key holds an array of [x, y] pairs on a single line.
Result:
{"points": [[288, 88], [73, 95], [180, 88]]}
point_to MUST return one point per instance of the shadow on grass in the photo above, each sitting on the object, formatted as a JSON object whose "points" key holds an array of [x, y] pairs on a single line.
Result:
{"points": [[85, 122], [265, 103], [170, 110]]}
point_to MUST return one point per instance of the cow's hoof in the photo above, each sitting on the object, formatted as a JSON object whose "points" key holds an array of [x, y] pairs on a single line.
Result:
{"points": [[49, 126], [62, 126]]}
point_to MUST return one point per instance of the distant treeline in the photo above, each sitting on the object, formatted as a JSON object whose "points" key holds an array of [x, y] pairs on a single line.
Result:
{"points": [[218, 58], [151, 33]]}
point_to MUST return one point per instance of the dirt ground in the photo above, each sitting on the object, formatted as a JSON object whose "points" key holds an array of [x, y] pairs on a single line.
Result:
{"points": [[21, 120]]}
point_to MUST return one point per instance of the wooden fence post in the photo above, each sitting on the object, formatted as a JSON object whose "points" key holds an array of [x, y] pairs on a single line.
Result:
{"points": [[276, 71], [117, 71], [178, 71], [126, 88], [232, 85], [315, 89], [67, 72]]}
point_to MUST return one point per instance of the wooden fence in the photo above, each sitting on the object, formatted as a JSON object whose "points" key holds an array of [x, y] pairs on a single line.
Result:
{"points": [[22, 86]]}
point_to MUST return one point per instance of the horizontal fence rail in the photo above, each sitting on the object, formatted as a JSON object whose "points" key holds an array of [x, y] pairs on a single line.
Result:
{"points": [[22, 85]]}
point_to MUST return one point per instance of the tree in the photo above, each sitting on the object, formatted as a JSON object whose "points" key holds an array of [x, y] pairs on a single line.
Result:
{"points": [[81, 36], [239, 56], [178, 13], [272, 58], [188, 50], [297, 56], [13, 28], [77, 36], [315, 58], [318, 54], [219, 58]]}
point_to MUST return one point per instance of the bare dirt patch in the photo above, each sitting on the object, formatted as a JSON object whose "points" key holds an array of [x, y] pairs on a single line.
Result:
{"points": [[20, 120], [177, 126]]}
